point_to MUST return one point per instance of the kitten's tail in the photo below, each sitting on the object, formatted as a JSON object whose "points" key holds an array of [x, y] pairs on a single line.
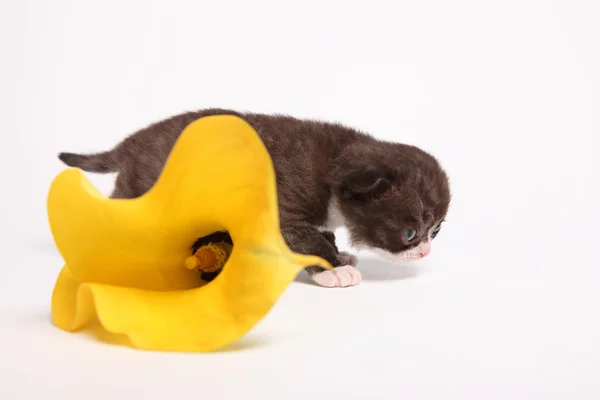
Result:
{"points": [[100, 162]]}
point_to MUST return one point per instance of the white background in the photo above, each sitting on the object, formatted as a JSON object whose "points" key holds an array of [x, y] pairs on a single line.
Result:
{"points": [[504, 93]]}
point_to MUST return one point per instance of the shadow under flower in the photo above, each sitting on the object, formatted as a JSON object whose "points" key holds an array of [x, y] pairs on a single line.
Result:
{"points": [[375, 270]]}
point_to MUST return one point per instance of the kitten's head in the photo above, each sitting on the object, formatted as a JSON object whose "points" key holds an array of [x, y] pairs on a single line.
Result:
{"points": [[393, 198]]}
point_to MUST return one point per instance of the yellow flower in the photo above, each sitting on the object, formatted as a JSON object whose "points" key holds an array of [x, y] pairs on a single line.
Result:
{"points": [[125, 269]]}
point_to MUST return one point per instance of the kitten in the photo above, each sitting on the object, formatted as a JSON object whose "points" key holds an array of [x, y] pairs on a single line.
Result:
{"points": [[391, 197]]}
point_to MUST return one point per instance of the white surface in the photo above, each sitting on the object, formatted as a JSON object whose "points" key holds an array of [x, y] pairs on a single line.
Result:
{"points": [[505, 93]]}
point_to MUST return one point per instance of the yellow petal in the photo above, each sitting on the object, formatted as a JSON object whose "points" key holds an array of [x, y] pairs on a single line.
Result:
{"points": [[202, 319], [126, 258]]}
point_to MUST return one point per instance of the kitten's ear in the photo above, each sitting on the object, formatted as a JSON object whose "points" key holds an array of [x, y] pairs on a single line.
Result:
{"points": [[364, 184]]}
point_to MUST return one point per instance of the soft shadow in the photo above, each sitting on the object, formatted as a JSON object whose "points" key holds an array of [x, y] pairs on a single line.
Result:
{"points": [[29, 318], [94, 332], [243, 344], [43, 247], [303, 278], [375, 270]]}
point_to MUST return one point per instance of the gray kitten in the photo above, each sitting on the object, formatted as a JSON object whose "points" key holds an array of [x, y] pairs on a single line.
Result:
{"points": [[391, 197]]}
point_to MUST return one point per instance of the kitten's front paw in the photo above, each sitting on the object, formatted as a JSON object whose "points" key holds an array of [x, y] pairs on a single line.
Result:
{"points": [[347, 258], [340, 277]]}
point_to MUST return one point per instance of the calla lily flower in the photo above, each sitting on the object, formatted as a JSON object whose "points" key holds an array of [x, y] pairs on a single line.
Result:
{"points": [[125, 270]]}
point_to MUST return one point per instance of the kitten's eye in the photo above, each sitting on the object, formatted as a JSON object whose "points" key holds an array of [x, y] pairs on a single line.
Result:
{"points": [[436, 230], [410, 234]]}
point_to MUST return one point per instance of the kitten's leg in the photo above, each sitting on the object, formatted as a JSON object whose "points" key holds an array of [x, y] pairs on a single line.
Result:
{"points": [[120, 190], [306, 239], [330, 237], [132, 182], [344, 257], [348, 258], [123, 186]]}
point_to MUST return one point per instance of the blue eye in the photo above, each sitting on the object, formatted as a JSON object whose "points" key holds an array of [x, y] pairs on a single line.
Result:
{"points": [[436, 230], [410, 234]]}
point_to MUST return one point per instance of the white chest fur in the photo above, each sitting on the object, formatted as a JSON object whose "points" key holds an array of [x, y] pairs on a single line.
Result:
{"points": [[335, 219]]}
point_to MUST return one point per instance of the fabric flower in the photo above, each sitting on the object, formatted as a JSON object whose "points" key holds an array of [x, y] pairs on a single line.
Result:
{"points": [[125, 268]]}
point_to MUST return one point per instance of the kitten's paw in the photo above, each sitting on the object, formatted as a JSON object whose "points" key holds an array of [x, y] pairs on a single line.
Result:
{"points": [[340, 277], [347, 258]]}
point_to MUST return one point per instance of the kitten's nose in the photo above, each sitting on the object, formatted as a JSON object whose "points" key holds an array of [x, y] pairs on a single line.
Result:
{"points": [[425, 250]]}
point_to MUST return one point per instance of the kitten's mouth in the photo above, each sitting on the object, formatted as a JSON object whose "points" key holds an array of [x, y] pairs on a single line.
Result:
{"points": [[401, 258]]}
